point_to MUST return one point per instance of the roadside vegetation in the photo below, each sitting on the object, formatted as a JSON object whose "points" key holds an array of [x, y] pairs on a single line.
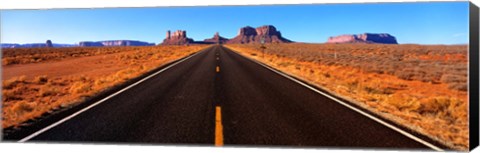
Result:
{"points": [[12, 56], [423, 87], [26, 97]]}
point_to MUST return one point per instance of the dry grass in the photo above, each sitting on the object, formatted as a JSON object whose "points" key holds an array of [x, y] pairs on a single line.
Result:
{"points": [[11, 83], [421, 87], [26, 98], [37, 55], [40, 79]]}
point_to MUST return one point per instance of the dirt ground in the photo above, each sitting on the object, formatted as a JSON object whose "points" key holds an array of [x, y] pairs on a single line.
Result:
{"points": [[423, 87], [89, 66], [31, 88]]}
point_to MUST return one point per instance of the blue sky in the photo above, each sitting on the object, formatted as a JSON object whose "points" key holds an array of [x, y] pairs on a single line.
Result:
{"points": [[419, 23]]}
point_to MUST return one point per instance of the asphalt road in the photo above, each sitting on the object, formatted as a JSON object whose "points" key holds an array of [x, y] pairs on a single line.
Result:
{"points": [[219, 97]]}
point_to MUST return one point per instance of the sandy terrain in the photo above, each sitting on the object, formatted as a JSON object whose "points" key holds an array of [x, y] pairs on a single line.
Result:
{"points": [[31, 87], [91, 66]]}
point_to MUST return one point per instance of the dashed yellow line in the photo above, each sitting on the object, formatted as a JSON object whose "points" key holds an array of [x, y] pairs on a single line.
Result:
{"points": [[218, 127], [218, 69]]}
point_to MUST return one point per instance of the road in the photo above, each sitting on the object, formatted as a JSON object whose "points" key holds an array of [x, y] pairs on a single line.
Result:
{"points": [[219, 97]]}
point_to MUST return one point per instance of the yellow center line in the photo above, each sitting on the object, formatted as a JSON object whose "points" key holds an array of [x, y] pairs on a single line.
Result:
{"points": [[218, 68], [218, 127]]}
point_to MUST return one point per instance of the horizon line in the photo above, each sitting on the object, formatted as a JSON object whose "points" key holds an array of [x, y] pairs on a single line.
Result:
{"points": [[78, 43]]}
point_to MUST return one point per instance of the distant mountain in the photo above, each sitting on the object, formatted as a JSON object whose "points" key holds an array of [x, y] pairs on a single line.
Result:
{"points": [[114, 43], [81, 44], [380, 38], [33, 45]]}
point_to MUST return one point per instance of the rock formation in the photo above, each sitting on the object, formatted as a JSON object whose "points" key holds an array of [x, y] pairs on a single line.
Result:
{"points": [[29, 45], [90, 44], [178, 37], [126, 43], [49, 43], [217, 39], [114, 43], [33, 45], [9, 45], [250, 35], [381, 38]]}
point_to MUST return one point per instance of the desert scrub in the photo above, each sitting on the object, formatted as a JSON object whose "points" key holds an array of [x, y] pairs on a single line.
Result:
{"points": [[403, 102], [457, 82], [41, 79], [80, 87], [10, 95], [11, 83], [47, 90], [409, 62], [421, 87], [22, 107], [8, 61], [28, 96]]}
